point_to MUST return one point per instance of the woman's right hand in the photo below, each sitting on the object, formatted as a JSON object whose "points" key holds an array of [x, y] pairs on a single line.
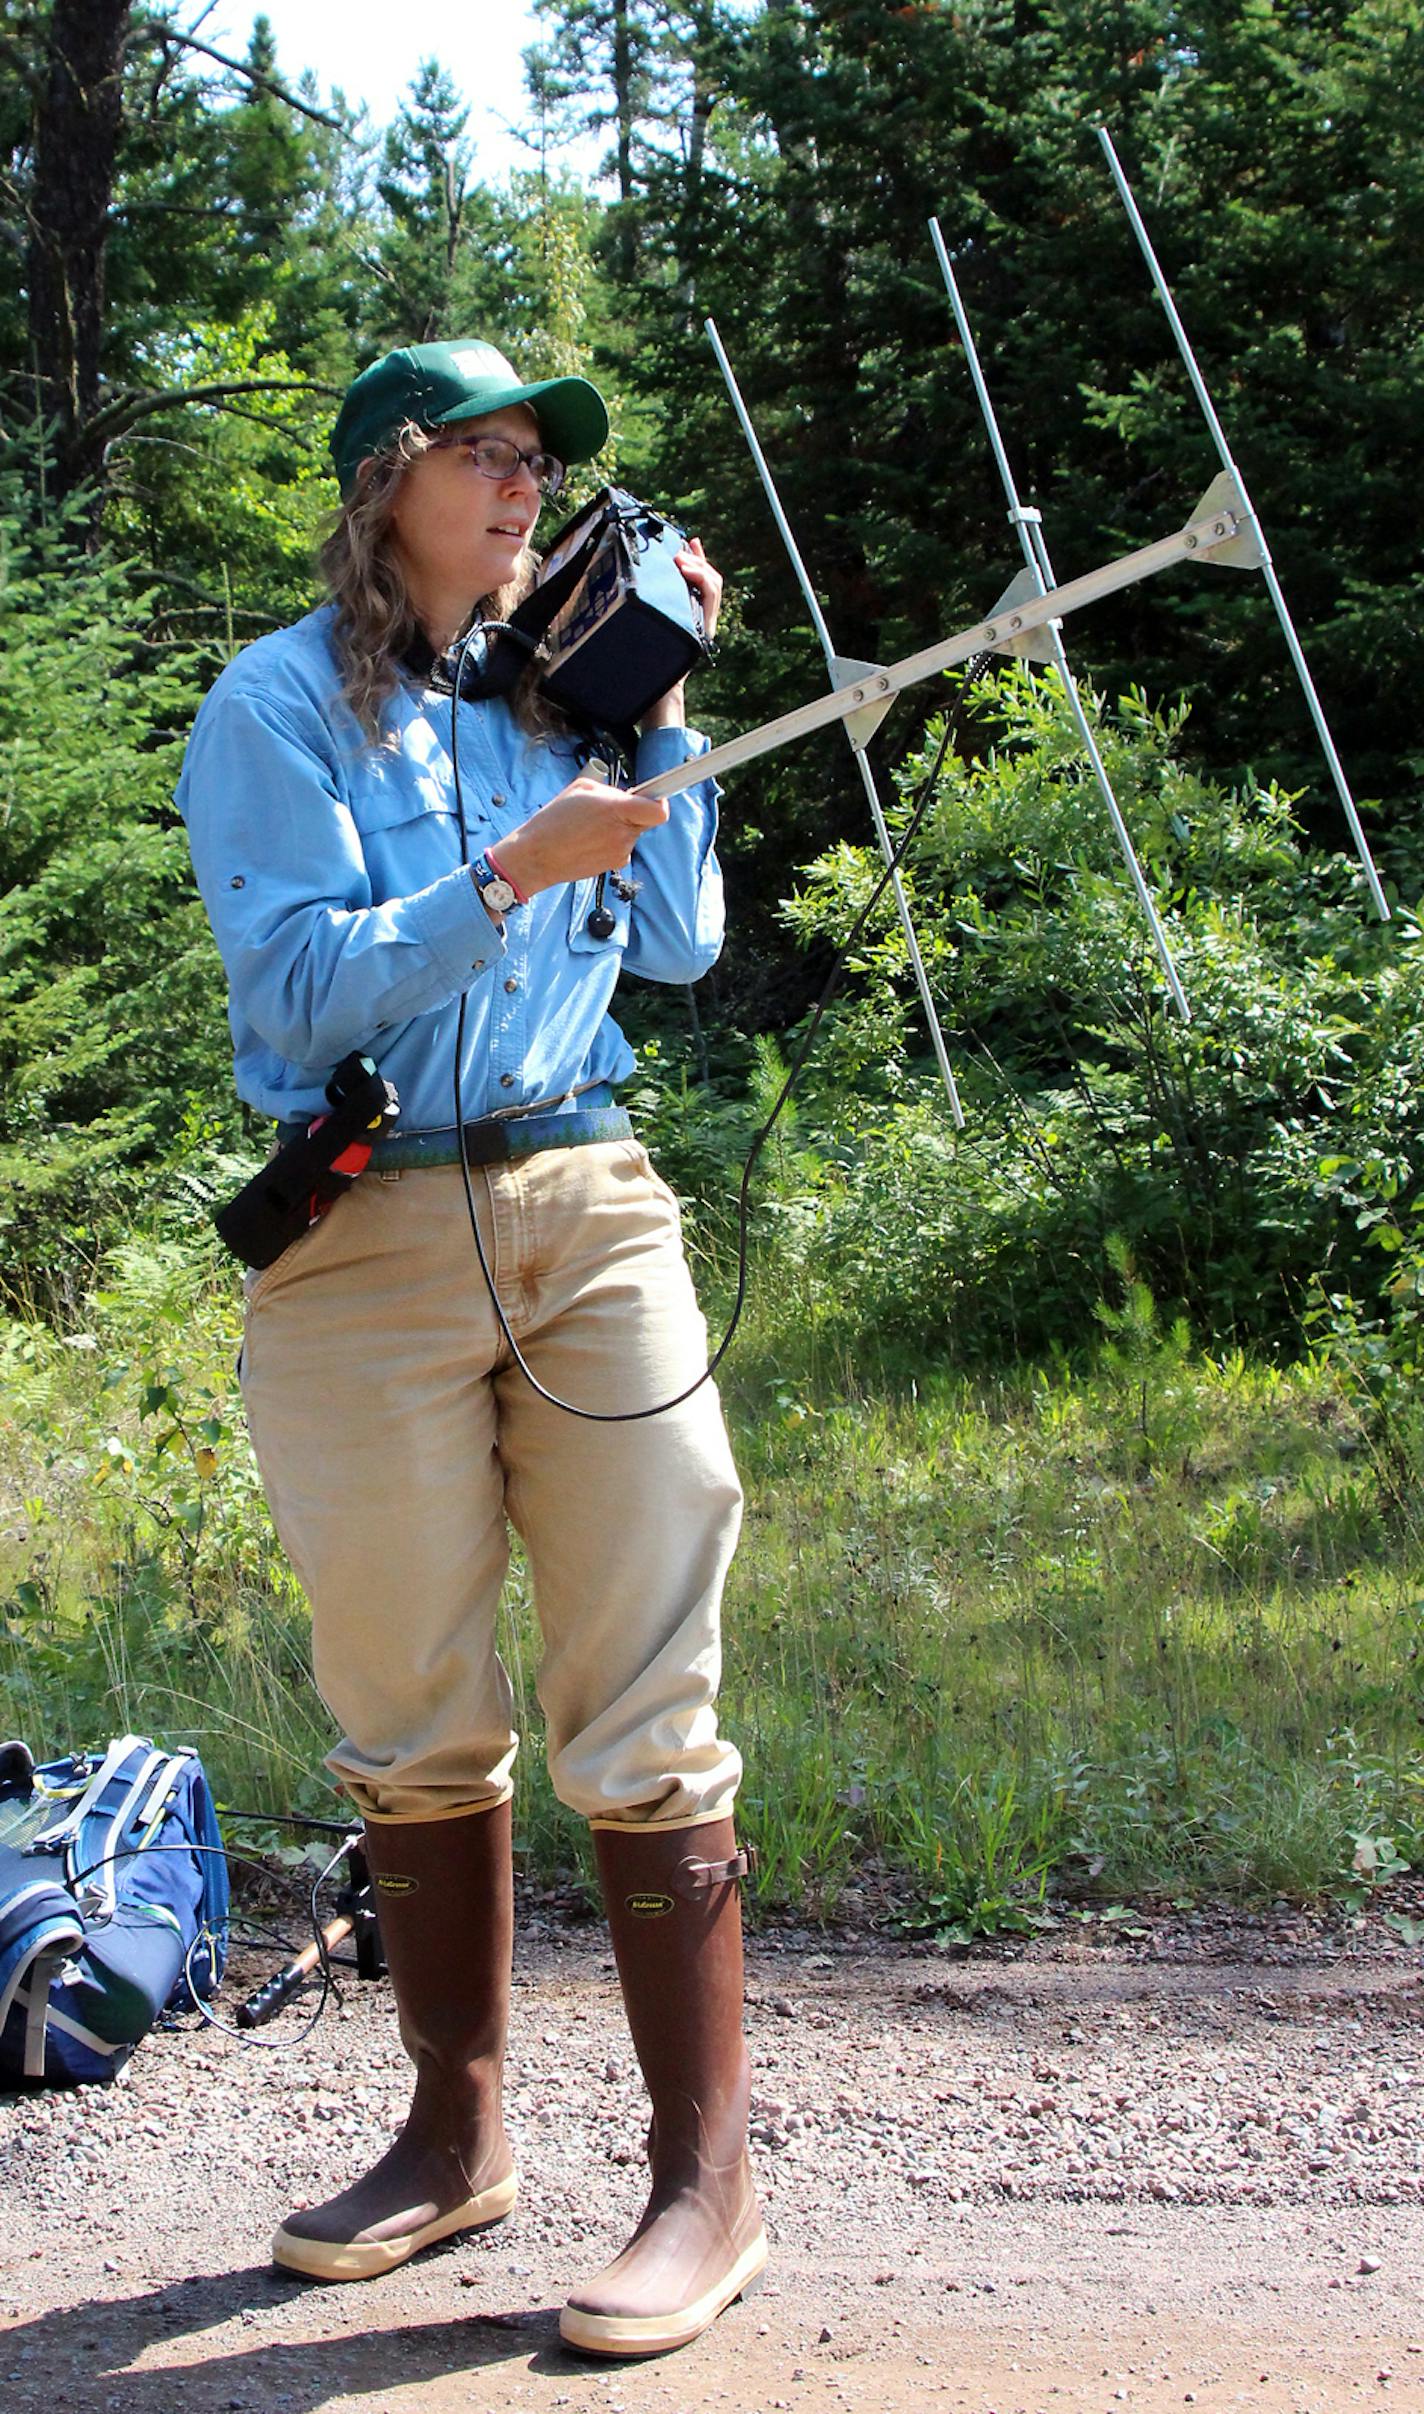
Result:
{"points": [[584, 830]]}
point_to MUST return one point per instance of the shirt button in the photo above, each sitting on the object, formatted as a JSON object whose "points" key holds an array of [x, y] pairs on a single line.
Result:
{"points": [[506, 1081], [498, 797], [510, 987], [479, 964], [237, 881]]}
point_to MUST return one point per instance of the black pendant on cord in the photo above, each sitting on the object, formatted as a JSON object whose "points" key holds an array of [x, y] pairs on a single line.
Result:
{"points": [[600, 923]]}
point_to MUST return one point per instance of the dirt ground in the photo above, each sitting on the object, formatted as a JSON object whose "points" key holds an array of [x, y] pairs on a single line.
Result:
{"points": [[1163, 2162]]}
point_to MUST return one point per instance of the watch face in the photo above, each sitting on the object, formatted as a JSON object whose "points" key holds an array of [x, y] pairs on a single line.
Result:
{"points": [[498, 893]]}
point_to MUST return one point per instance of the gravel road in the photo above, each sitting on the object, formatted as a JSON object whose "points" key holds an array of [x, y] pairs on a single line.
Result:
{"points": [[1148, 2163]]}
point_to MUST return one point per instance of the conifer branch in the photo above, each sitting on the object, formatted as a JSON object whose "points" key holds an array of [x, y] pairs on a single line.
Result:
{"points": [[163, 32]]}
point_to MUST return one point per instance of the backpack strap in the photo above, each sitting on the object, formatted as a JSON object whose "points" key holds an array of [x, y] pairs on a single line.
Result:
{"points": [[42, 1969], [151, 1809], [39, 1928], [56, 1838], [91, 1861], [36, 1999]]}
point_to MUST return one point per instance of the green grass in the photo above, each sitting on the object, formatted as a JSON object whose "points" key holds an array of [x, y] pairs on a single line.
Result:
{"points": [[1147, 1626]]}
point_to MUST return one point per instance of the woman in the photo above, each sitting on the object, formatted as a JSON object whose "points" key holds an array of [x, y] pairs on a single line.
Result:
{"points": [[394, 1432]]}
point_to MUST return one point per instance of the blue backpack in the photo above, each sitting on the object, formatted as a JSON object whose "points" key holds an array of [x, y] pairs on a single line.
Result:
{"points": [[113, 1904]]}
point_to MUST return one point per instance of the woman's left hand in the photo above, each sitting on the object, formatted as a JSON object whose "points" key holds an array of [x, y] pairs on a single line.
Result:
{"points": [[703, 580], [669, 712]]}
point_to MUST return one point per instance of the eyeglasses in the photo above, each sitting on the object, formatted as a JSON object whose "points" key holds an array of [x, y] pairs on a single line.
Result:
{"points": [[499, 457]]}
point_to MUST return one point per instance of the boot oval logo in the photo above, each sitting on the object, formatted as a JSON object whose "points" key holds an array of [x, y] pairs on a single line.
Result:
{"points": [[650, 1906], [395, 1885]]}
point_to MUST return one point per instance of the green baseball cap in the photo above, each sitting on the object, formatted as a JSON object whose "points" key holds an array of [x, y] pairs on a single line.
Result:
{"points": [[437, 384]]}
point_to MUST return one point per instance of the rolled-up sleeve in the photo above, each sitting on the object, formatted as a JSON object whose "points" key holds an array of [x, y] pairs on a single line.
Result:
{"points": [[679, 918], [316, 966]]}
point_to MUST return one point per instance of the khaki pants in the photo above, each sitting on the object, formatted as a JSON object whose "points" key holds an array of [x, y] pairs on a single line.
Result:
{"points": [[395, 1437]]}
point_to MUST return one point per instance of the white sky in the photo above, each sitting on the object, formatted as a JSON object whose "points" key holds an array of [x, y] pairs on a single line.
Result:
{"points": [[373, 51]]}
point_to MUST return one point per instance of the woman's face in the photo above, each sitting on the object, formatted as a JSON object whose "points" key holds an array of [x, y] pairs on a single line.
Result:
{"points": [[457, 530]]}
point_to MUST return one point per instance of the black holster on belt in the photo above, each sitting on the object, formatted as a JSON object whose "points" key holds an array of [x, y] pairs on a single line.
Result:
{"points": [[303, 1180]]}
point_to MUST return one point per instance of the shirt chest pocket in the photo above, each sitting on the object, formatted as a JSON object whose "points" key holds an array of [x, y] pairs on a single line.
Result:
{"points": [[409, 831], [595, 933], [396, 793]]}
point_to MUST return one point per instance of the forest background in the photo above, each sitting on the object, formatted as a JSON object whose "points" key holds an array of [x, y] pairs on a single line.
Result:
{"points": [[1085, 1555]]}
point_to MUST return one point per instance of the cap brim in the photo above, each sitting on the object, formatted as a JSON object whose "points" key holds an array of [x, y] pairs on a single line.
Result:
{"points": [[571, 414]]}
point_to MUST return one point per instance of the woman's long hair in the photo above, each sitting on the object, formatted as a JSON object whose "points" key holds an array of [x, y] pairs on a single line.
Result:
{"points": [[375, 619]]}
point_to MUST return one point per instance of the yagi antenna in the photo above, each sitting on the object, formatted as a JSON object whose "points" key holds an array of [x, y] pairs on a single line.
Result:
{"points": [[1027, 620], [1212, 531], [1036, 578], [1237, 494], [859, 727]]}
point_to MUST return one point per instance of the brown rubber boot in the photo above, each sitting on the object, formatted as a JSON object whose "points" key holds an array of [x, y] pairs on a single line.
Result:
{"points": [[676, 1916], [445, 1895]]}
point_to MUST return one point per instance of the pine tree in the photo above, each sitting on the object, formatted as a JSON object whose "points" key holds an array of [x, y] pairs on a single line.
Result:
{"points": [[438, 222], [597, 75]]}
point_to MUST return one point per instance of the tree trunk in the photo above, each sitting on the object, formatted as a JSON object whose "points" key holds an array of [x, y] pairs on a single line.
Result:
{"points": [[624, 115], [78, 116], [703, 101]]}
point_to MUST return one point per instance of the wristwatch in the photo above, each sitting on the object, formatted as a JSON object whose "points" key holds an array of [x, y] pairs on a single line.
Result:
{"points": [[498, 893]]}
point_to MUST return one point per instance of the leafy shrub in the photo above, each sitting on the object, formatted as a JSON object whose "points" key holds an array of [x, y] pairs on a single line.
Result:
{"points": [[1093, 1111]]}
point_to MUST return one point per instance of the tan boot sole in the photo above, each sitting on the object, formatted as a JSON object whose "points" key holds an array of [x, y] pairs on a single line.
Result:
{"points": [[658, 2334], [367, 2258]]}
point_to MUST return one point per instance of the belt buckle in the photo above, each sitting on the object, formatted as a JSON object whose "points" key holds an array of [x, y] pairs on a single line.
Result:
{"points": [[487, 1142]]}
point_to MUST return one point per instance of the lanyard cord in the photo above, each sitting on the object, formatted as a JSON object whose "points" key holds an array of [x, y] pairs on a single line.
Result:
{"points": [[634, 1416]]}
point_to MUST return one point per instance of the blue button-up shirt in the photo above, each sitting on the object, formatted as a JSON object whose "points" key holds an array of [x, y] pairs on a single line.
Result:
{"points": [[332, 874]]}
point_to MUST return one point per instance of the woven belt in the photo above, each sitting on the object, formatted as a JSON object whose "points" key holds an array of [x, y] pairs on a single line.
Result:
{"points": [[498, 1139]]}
